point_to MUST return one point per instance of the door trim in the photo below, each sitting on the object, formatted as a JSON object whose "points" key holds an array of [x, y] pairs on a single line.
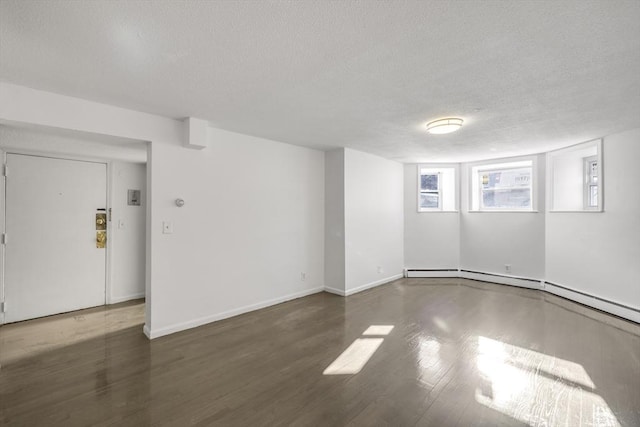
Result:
{"points": [[3, 192]]}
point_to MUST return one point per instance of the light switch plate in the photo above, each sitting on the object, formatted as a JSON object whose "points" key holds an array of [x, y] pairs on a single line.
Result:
{"points": [[167, 227]]}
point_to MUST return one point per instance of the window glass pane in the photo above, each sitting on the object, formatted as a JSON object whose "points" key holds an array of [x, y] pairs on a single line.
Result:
{"points": [[429, 200], [506, 188], [593, 196], [507, 178], [593, 172], [507, 199], [429, 182]]}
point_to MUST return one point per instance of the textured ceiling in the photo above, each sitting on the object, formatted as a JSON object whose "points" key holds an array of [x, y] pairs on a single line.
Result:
{"points": [[525, 76]]}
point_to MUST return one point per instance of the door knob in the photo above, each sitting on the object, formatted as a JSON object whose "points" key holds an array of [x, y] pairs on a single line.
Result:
{"points": [[101, 221], [101, 239]]}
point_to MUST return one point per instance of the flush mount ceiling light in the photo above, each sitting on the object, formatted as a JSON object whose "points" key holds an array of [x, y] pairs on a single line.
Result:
{"points": [[444, 125]]}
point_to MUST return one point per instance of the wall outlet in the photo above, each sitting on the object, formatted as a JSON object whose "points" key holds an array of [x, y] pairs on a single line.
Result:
{"points": [[507, 268], [380, 270], [303, 276]]}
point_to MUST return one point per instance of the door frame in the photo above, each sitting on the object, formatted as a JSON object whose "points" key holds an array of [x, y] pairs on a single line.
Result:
{"points": [[3, 194]]}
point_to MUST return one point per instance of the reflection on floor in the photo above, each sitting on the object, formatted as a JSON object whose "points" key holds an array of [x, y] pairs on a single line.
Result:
{"points": [[440, 352], [40, 336], [531, 387]]}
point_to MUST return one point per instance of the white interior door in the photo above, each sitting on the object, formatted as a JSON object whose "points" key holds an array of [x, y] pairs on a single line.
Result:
{"points": [[52, 264]]}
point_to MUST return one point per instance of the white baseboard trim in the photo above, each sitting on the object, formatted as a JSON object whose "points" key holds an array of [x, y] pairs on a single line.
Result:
{"points": [[620, 310], [435, 273], [335, 291], [156, 333], [116, 300], [373, 284], [522, 282], [346, 293]]}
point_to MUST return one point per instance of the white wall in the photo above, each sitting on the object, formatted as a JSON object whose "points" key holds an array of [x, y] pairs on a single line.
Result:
{"points": [[374, 220], [62, 143], [254, 217], [431, 239], [489, 240], [334, 255], [128, 232], [599, 252], [568, 186], [252, 222], [567, 175], [590, 257]]}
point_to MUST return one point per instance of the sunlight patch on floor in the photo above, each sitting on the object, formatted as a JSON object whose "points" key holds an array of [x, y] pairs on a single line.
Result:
{"points": [[353, 359], [536, 388], [378, 330]]}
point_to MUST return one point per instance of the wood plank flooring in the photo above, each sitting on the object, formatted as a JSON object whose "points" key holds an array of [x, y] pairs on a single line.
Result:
{"points": [[461, 353]]}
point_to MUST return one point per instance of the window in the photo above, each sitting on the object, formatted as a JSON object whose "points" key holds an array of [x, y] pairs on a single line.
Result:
{"points": [[575, 175], [430, 191], [504, 186], [436, 188], [506, 189], [591, 182]]}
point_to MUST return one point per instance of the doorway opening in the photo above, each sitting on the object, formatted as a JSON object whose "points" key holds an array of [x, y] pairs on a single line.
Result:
{"points": [[73, 219]]}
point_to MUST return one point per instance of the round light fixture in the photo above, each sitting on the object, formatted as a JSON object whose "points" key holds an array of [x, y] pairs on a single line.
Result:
{"points": [[444, 125]]}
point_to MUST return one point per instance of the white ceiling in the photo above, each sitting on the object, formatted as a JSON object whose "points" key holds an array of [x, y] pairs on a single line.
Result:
{"points": [[526, 76]]}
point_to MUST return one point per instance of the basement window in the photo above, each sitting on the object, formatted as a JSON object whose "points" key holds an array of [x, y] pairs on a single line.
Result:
{"points": [[506, 186], [575, 174], [591, 182], [436, 188]]}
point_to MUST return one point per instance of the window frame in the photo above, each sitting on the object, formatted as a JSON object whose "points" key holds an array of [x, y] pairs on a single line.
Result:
{"points": [[590, 183], [439, 169], [475, 185]]}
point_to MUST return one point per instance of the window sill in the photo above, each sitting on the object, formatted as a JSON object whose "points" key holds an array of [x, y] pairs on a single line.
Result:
{"points": [[582, 211], [505, 211]]}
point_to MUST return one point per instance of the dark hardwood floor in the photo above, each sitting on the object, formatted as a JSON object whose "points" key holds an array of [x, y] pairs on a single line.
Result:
{"points": [[460, 353]]}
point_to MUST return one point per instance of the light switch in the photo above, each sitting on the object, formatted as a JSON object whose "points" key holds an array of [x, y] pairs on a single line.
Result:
{"points": [[167, 227], [120, 224]]}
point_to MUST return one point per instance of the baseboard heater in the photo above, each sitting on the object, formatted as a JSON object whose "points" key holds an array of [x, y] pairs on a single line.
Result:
{"points": [[433, 272], [503, 279], [602, 304], [475, 275]]}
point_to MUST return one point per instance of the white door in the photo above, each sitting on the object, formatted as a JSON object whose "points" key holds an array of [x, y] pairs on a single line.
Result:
{"points": [[52, 264]]}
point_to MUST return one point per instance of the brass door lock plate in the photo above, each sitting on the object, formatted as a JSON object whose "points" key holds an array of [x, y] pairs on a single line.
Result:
{"points": [[101, 221], [101, 239]]}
